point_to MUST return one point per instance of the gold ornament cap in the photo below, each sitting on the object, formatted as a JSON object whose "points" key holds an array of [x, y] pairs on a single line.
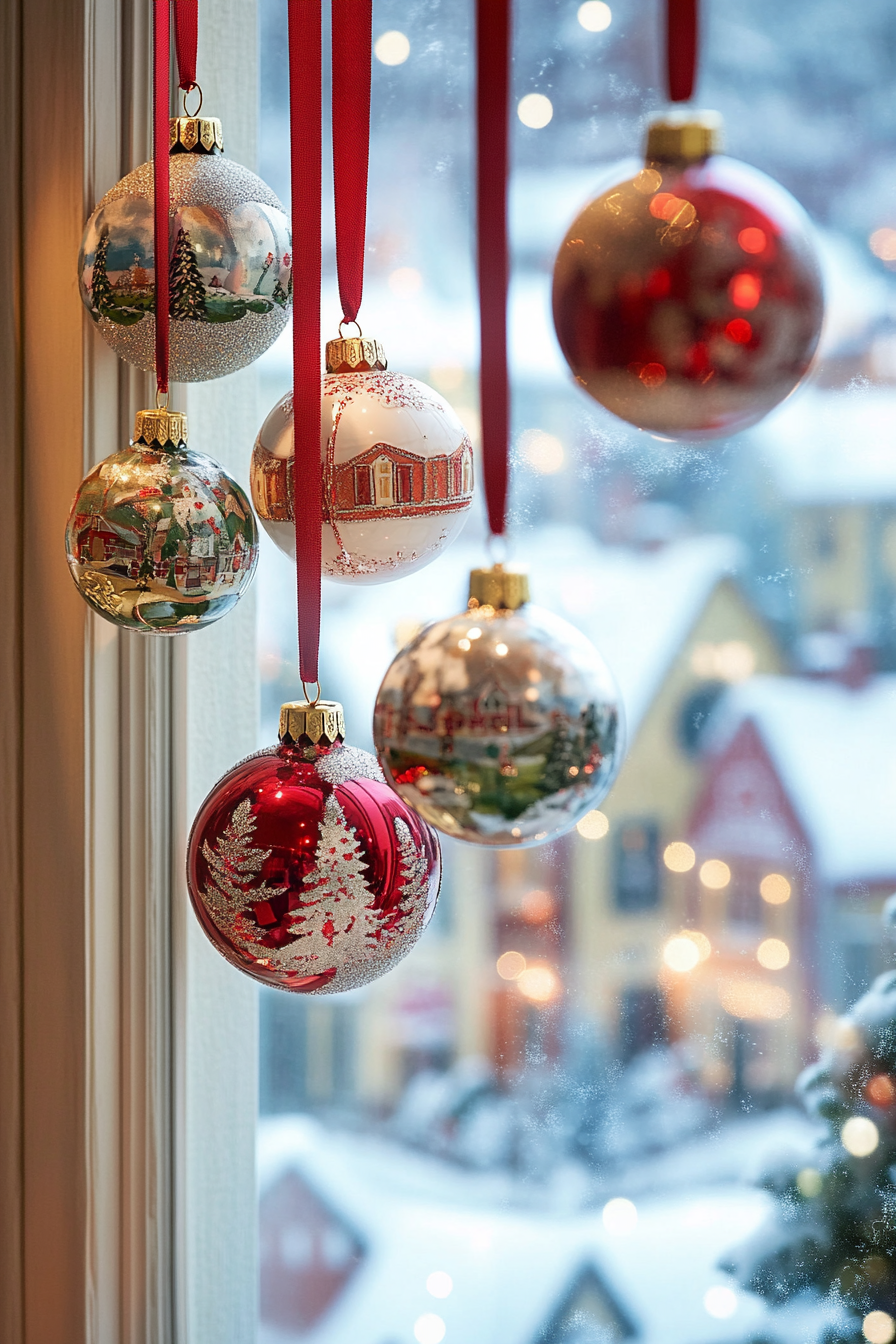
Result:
{"points": [[322, 723], [503, 589], [355, 354], [161, 427], [195, 135], [684, 137]]}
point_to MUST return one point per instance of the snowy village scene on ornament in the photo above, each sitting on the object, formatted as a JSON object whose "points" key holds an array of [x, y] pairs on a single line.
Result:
{"points": [[311, 875], [161, 541], [398, 475], [230, 267]]}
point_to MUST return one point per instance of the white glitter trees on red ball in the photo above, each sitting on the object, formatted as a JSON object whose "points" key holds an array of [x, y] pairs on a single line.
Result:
{"points": [[305, 870], [397, 466]]}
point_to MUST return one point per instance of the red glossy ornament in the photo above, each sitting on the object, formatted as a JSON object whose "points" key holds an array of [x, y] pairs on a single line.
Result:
{"points": [[306, 871], [687, 297]]}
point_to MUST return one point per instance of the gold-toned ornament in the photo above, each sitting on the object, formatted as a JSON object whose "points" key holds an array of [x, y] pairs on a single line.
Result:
{"points": [[501, 725]]}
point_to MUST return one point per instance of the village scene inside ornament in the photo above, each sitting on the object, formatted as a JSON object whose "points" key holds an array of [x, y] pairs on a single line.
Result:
{"points": [[687, 296], [502, 725], [305, 870], [397, 464], [160, 539], [230, 266]]}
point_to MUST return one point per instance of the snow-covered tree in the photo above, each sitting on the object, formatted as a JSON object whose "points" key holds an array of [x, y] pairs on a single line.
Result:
{"points": [[186, 282], [234, 867], [100, 288], [833, 1228]]}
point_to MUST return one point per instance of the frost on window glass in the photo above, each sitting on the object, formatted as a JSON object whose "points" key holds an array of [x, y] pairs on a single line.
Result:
{"points": [[640, 1083]]}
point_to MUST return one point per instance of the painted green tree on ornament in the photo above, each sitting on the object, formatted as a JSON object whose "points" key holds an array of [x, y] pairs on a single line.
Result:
{"points": [[187, 286], [100, 287]]}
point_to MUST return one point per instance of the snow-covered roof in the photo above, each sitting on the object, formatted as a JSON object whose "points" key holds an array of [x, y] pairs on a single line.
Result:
{"points": [[511, 1268], [834, 751], [636, 606], [827, 447]]}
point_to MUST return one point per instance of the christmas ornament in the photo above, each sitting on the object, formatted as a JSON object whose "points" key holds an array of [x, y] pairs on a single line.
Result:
{"points": [[229, 260], [304, 869], [501, 725], [160, 539], [687, 296], [397, 469]]}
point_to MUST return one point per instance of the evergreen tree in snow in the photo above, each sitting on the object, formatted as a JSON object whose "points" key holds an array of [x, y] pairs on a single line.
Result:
{"points": [[337, 903], [185, 279], [565, 753], [100, 288], [279, 294], [833, 1228], [234, 865]]}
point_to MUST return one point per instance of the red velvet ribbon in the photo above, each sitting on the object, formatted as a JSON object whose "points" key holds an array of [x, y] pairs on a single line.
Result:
{"points": [[352, 42], [161, 184], [305, 94], [186, 38], [493, 46], [682, 37]]}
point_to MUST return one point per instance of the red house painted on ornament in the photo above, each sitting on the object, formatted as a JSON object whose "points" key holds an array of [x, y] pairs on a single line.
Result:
{"points": [[383, 478]]}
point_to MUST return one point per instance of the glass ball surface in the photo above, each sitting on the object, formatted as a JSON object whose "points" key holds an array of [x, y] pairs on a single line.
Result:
{"points": [[161, 541], [308, 873], [398, 475], [229, 267], [502, 728], [687, 299]]}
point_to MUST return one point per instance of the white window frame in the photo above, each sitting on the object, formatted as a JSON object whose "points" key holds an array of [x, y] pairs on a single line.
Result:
{"points": [[128, 1049]]}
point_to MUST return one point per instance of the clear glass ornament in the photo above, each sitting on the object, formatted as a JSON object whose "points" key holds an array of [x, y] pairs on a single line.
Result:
{"points": [[159, 538], [230, 263], [397, 465], [687, 296], [502, 725]]}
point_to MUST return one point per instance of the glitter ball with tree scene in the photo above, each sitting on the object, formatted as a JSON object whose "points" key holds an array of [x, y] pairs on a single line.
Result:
{"points": [[229, 263], [304, 869]]}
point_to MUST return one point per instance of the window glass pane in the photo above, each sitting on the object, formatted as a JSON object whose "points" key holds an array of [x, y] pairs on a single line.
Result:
{"points": [[551, 1122]]}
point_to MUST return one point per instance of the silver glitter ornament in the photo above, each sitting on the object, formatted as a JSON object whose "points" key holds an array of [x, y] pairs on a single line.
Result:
{"points": [[502, 725], [230, 263]]}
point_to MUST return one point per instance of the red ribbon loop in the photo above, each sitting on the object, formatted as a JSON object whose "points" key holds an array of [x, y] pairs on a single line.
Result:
{"points": [[352, 44], [305, 94], [682, 38], [186, 38], [161, 183], [493, 47]]}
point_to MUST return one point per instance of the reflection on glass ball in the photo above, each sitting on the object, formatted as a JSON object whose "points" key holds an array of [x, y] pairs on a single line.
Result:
{"points": [[687, 297], [398, 474], [229, 263], [500, 727], [161, 539], [307, 872]]}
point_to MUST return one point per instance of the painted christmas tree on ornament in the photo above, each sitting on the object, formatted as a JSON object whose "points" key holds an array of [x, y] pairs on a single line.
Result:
{"points": [[304, 869]]}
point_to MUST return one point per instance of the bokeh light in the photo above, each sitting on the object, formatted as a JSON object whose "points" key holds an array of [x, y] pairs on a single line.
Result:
{"points": [[620, 1216], [883, 244], [881, 1090], [753, 1000], [392, 48], [733, 660], [809, 1182], [429, 1328], [745, 290], [405, 282], [878, 1327], [681, 954], [510, 965], [535, 110], [775, 889], [679, 857], [752, 240], [543, 452], [715, 874], [439, 1284], [720, 1302], [539, 984], [773, 954], [595, 16], [593, 826], [860, 1136], [537, 907]]}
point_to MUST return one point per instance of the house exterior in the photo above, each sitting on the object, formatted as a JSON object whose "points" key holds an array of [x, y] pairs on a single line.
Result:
{"points": [[797, 801]]}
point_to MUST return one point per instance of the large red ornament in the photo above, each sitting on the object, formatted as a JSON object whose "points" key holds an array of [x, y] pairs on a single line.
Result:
{"points": [[305, 869], [687, 298]]}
